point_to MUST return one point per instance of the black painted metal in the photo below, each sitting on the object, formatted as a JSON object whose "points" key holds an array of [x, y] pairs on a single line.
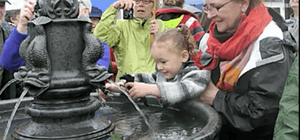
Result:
{"points": [[61, 71], [212, 118]]}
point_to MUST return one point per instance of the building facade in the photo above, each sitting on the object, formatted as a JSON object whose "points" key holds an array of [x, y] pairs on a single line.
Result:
{"points": [[280, 6]]}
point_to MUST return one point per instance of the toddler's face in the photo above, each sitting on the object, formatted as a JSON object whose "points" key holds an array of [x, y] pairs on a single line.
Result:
{"points": [[168, 61]]}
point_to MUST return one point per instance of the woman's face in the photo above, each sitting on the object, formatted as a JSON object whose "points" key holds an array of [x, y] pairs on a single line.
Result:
{"points": [[294, 3], [226, 14], [142, 9], [95, 21]]}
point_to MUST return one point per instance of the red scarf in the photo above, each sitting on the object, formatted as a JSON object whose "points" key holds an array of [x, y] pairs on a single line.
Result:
{"points": [[248, 31]]}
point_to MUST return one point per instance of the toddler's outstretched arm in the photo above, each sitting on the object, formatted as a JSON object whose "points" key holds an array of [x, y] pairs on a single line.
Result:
{"points": [[139, 90]]}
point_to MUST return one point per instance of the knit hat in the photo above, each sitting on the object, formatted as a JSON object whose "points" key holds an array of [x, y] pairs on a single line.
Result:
{"points": [[96, 12], [5, 1]]}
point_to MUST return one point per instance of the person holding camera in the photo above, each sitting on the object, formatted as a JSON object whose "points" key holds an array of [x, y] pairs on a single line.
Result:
{"points": [[173, 14], [131, 37]]}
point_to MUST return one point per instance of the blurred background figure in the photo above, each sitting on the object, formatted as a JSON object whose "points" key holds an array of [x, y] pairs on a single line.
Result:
{"points": [[112, 67], [131, 37], [5, 75], [293, 22], [13, 11], [95, 17], [204, 21], [173, 14], [85, 7], [192, 9], [287, 122]]}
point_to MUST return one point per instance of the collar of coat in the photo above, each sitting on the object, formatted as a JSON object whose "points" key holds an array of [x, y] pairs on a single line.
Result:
{"points": [[173, 9]]}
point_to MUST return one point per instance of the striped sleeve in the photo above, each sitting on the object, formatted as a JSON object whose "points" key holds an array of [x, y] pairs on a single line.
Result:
{"points": [[194, 27]]}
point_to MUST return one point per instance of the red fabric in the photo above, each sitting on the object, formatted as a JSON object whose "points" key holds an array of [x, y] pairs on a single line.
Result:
{"points": [[187, 15], [184, 19], [248, 31], [173, 10], [194, 25], [198, 36], [114, 64], [113, 60]]}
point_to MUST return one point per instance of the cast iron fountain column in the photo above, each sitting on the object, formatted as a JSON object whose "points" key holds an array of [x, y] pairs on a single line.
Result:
{"points": [[61, 71]]}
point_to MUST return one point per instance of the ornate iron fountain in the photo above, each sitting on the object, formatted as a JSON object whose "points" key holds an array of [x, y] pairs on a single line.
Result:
{"points": [[60, 73]]}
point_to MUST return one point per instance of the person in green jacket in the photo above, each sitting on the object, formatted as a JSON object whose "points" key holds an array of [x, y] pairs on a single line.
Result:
{"points": [[131, 37], [287, 122]]}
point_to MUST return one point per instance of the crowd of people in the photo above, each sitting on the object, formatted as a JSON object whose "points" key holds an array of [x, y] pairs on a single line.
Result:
{"points": [[239, 57]]}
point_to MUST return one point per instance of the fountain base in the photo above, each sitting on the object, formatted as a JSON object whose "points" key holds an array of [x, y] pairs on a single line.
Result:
{"points": [[192, 120], [59, 120], [71, 128]]}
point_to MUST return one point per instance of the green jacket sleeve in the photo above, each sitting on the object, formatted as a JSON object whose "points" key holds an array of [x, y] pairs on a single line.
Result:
{"points": [[106, 30], [287, 123]]}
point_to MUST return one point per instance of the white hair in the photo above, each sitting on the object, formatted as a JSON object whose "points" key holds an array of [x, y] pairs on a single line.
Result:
{"points": [[86, 3]]}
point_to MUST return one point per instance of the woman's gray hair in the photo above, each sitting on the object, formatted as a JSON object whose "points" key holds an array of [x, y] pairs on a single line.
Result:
{"points": [[11, 14]]}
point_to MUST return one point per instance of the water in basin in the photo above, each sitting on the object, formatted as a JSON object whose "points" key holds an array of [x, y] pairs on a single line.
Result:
{"points": [[168, 123]]}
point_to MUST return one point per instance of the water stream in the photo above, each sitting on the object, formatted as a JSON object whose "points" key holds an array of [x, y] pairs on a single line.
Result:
{"points": [[8, 84], [14, 112], [135, 105]]}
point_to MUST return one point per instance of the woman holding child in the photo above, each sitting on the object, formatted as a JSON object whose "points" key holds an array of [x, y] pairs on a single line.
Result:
{"points": [[250, 56]]}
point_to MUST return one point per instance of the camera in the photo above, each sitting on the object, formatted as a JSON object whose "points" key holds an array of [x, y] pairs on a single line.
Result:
{"points": [[128, 14]]}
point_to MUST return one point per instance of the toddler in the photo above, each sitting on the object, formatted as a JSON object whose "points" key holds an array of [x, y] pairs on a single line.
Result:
{"points": [[176, 78]]}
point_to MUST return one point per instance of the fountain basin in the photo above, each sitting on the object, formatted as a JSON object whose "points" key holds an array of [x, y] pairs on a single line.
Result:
{"points": [[197, 120]]}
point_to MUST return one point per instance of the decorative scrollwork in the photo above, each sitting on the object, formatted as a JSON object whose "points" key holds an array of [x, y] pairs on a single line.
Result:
{"points": [[54, 9]]}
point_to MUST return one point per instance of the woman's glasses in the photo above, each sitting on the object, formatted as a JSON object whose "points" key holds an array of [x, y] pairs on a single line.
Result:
{"points": [[144, 1], [207, 9]]}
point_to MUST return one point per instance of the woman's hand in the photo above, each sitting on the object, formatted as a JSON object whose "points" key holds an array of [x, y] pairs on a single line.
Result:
{"points": [[209, 94], [153, 27], [139, 90], [124, 4], [26, 13]]}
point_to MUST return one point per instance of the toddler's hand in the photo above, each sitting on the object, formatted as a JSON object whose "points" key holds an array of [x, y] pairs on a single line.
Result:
{"points": [[140, 90], [102, 96]]}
